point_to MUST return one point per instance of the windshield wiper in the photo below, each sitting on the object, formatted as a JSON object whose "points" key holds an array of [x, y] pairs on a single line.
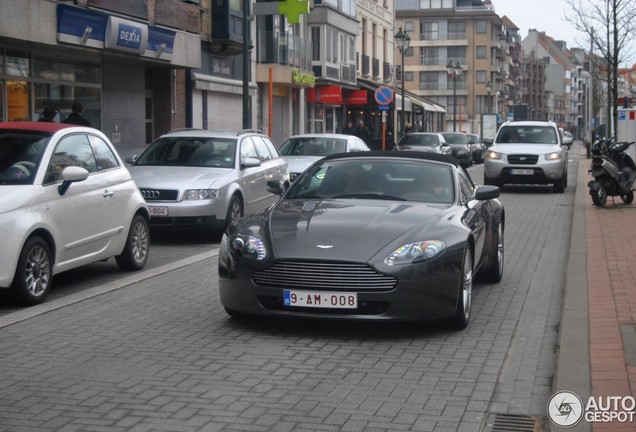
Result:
{"points": [[370, 196]]}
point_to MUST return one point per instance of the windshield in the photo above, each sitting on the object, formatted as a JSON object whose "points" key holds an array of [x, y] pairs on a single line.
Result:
{"points": [[455, 138], [190, 151], [427, 140], [527, 135], [396, 180], [20, 155], [313, 146]]}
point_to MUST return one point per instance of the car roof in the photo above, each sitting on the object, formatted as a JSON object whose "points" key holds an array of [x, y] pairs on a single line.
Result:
{"points": [[453, 133], [322, 135], [35, 126], [395, 154], [190, 132], [529, 123]]}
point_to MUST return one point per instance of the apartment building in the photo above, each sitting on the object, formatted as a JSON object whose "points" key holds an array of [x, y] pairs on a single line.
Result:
{"points": [[465, 34], [533, 88]]}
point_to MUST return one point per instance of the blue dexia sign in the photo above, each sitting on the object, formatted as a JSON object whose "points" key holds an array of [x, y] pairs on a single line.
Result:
{"points": [[129, 36], [126, 35]]}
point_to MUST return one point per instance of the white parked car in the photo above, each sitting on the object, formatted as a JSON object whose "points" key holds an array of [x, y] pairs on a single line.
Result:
{"points": [[66, 200], [300, 151], [197, 178]]}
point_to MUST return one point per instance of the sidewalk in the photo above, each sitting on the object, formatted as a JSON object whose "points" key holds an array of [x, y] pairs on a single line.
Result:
{"points": [[597, 346]]}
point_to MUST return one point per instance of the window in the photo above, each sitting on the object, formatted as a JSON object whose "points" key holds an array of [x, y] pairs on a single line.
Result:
{"points": [[261, 148], [430, 55], [456, 30], [103, 154], [315, 43], [457, 54], [429, 30], [481, 27], [480, 76], [73, 150], [408, 76], [248, 150], [408, 26], [481, 52], [429, 80]]}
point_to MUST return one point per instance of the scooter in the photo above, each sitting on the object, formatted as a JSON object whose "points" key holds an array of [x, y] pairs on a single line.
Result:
{"points": [[613, 170]]}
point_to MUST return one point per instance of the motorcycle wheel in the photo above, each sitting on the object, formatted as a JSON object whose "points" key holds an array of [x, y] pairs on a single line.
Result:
{"points": [[600, 197], [628, 197]]}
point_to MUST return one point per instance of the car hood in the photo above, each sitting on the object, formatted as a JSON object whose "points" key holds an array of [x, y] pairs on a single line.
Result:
{"points": [[15, 197], [420, 148], [317, 229], [298, 164], [520, 148], [178, 177]]}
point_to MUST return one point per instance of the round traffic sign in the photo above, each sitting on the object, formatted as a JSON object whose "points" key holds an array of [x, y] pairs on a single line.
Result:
{"points": [[384, 95]]}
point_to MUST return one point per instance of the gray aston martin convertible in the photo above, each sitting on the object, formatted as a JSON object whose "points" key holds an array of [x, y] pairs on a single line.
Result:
{"points": [[372, 235]]}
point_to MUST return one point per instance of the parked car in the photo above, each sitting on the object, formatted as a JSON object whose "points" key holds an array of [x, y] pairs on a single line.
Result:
{"points": [[300, 151], [374, 235], [198, 178], [459, 144], [567, 138], [430, 142], [477, 148], [66, 200], [527, 152]]}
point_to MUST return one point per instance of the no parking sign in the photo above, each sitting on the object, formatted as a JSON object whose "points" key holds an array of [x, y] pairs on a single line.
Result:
{"points": [[384, 95]]}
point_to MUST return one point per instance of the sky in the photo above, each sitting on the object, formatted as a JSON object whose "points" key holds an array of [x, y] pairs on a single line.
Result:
{"points": [[544, 15], [549, 16]]}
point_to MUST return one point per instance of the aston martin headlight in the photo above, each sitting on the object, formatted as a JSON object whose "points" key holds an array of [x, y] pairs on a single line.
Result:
{"points": [[413, 252], [553, 156], [249, 246], [200, 194], [493, 155]]}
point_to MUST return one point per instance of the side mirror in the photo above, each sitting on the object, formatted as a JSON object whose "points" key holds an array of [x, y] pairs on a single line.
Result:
{"points": [[484, 193], [487, 141], [131, 159], [69, 175], [275, 187], [250, 163]]}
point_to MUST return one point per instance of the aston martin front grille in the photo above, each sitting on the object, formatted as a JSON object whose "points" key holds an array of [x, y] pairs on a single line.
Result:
{"points": [[323, 276]]}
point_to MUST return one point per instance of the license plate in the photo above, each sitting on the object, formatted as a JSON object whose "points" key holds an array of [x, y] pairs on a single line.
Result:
{"points": [[158, 211], [329, 300], [522, 172]]}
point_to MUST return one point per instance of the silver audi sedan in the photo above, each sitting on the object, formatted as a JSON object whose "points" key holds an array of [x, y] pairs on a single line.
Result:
{"points": [[198, 178]]}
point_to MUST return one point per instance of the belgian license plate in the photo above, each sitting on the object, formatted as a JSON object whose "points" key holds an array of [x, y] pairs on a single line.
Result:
{"points": [[329, 300], [522, 172], [158, 211]]}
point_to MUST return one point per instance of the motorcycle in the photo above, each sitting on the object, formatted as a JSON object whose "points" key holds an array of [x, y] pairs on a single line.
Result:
{"points": [[614, 172]]}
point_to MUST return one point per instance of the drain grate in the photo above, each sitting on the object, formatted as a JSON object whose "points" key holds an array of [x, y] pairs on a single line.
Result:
{"points": [[514, 423]]}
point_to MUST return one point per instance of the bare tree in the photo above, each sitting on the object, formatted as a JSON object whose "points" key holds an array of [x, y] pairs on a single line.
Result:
{"points": [[610, 26]]}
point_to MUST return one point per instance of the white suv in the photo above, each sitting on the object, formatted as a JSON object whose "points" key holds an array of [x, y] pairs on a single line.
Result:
{"points": [[66, 199], [527, 152]]}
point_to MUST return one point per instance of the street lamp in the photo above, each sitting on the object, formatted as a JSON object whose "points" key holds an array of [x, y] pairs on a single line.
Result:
{"points": [[454, 71], [402, 40]]}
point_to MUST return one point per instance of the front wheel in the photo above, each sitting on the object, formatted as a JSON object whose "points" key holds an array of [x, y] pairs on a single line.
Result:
{"points": [[561, 184], [599, 196], [494, 273], [135, 253], [34, 274], [234, 210], [464, 301], [628, 198]]}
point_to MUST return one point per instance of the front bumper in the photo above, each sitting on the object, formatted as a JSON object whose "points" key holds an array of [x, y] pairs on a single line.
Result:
{"points": [[544, 172]]}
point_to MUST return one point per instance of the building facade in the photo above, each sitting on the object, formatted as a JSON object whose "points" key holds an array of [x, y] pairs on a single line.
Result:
{"points": [[125, 61]]}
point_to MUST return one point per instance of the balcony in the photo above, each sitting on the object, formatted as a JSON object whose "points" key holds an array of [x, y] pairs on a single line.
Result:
{"points": [[386, 72], [366, 66], [375, 63], [276, 48]]}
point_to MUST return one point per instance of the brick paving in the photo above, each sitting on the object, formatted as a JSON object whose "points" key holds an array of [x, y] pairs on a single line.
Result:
{"points": [[611, 249]]}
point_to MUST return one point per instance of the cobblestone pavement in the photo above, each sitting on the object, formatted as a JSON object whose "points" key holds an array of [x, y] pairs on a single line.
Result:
{"points": [[162, 355]]}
